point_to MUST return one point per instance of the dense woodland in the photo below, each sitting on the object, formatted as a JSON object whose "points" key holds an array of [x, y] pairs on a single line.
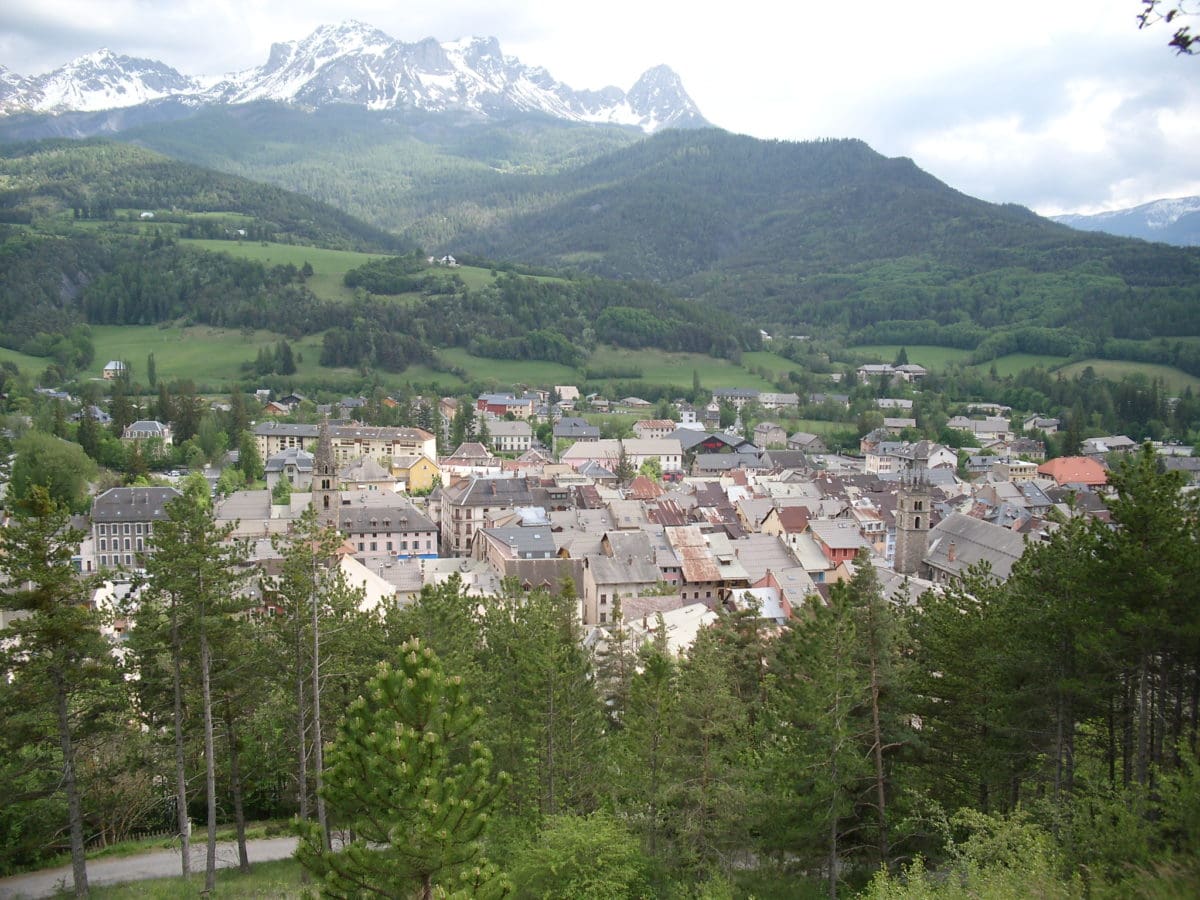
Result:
{"points": [[1032, 737]]}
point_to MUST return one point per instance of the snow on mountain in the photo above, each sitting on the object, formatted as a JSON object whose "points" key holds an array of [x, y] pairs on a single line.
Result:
{"points": [[100, 80], [358, 64], [1172, 221]]}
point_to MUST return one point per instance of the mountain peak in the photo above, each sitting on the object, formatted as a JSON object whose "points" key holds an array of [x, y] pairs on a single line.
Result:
{"points": [[658, 97], [356, 63]]}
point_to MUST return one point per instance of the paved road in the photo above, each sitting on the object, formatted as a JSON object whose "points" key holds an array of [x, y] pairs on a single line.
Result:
{"points": [[156, 864]]}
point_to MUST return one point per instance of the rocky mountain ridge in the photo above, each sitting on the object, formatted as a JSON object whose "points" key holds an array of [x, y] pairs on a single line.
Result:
{"points": [[354, 63]]}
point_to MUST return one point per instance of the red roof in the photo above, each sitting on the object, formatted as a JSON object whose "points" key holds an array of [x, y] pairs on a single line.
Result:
{"points": [[794, 519], [1075, 470]]}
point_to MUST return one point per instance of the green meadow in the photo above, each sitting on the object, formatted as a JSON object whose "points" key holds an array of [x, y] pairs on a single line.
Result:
{"points": [[1019, 362], [922, 355], [773, 363], [1174, 379], [204, 354], [31, 364], [329, 266], [675, 369]]}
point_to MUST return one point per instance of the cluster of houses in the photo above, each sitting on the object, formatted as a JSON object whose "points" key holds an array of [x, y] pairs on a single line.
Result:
{"points": [[716, 522]]}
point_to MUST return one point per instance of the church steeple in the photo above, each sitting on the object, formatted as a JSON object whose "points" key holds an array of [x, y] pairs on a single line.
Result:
{"points": [[325, 495], [913, 507]]}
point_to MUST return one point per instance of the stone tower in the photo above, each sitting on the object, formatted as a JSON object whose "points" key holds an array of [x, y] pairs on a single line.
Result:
{"points": [[913, 508], [325, 496]]}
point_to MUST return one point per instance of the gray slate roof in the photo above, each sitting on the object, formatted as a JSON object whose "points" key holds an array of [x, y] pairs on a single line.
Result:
{"points": [[973, 541], [133, 504]]}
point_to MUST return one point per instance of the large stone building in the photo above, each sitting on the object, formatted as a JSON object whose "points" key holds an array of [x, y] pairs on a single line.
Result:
{"points": [[123, 520], [347, 442]]}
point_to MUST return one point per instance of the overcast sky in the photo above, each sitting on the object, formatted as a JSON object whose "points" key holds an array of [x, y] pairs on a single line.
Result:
{"points": [[1061, 106]]}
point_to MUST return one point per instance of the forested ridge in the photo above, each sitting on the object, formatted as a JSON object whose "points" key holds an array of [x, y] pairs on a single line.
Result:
{"points": [[50, 284], [93, 179], [794, 236], [1036, 737], [825, 235]]}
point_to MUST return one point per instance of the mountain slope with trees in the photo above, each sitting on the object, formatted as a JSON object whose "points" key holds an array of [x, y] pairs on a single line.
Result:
{"points": [[94, 179], [791, 236]]}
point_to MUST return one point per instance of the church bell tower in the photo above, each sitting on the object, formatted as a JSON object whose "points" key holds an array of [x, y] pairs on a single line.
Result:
{"points": [[325, 495], [913, 509]]}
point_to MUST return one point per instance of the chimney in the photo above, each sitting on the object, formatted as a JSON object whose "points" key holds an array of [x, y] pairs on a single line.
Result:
{"points": [[952, 552]]}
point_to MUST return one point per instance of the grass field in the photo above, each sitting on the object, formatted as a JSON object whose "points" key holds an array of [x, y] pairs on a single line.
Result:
{"points": [[777, 365], [329, 266], [1019, 362], [31, 364], [1175, 380], [922, 355], [504, 373], [206, 355], [660, 367]]}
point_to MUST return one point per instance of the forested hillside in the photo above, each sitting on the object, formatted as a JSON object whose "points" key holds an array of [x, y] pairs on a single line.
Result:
{"points": [[795, 236], [97, 179], [824, 236], [429, 177]]}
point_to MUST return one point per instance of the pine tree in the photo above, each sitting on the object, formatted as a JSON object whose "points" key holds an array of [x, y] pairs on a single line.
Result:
{"points": [[285, 363], [815, 757], [197, 565], [119, 407], [87, 435], [708, 802], [56, 646], [151, 371], [315, 603], [408, 780], [545, 722], [645, 744]]}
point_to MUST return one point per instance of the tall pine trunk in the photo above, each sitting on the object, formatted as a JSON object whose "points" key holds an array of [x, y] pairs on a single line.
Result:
{"points": [[74, 808], [301, 728], [210, 770], [235, 784], [181, 804], [318, 749]]}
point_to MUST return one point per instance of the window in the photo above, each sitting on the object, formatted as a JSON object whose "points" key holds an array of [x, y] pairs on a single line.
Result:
{"points": [[139, 545], [137, 529], [389, 545], [104, 560], [103, 529], [127, 547], [127, 528], [128, 559], [373, 547], [404, 545], [102, 544], [360, 547], [603, 618]]}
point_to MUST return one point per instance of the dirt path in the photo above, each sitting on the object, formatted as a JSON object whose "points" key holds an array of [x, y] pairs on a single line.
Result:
{"points": [[155, 864]]}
